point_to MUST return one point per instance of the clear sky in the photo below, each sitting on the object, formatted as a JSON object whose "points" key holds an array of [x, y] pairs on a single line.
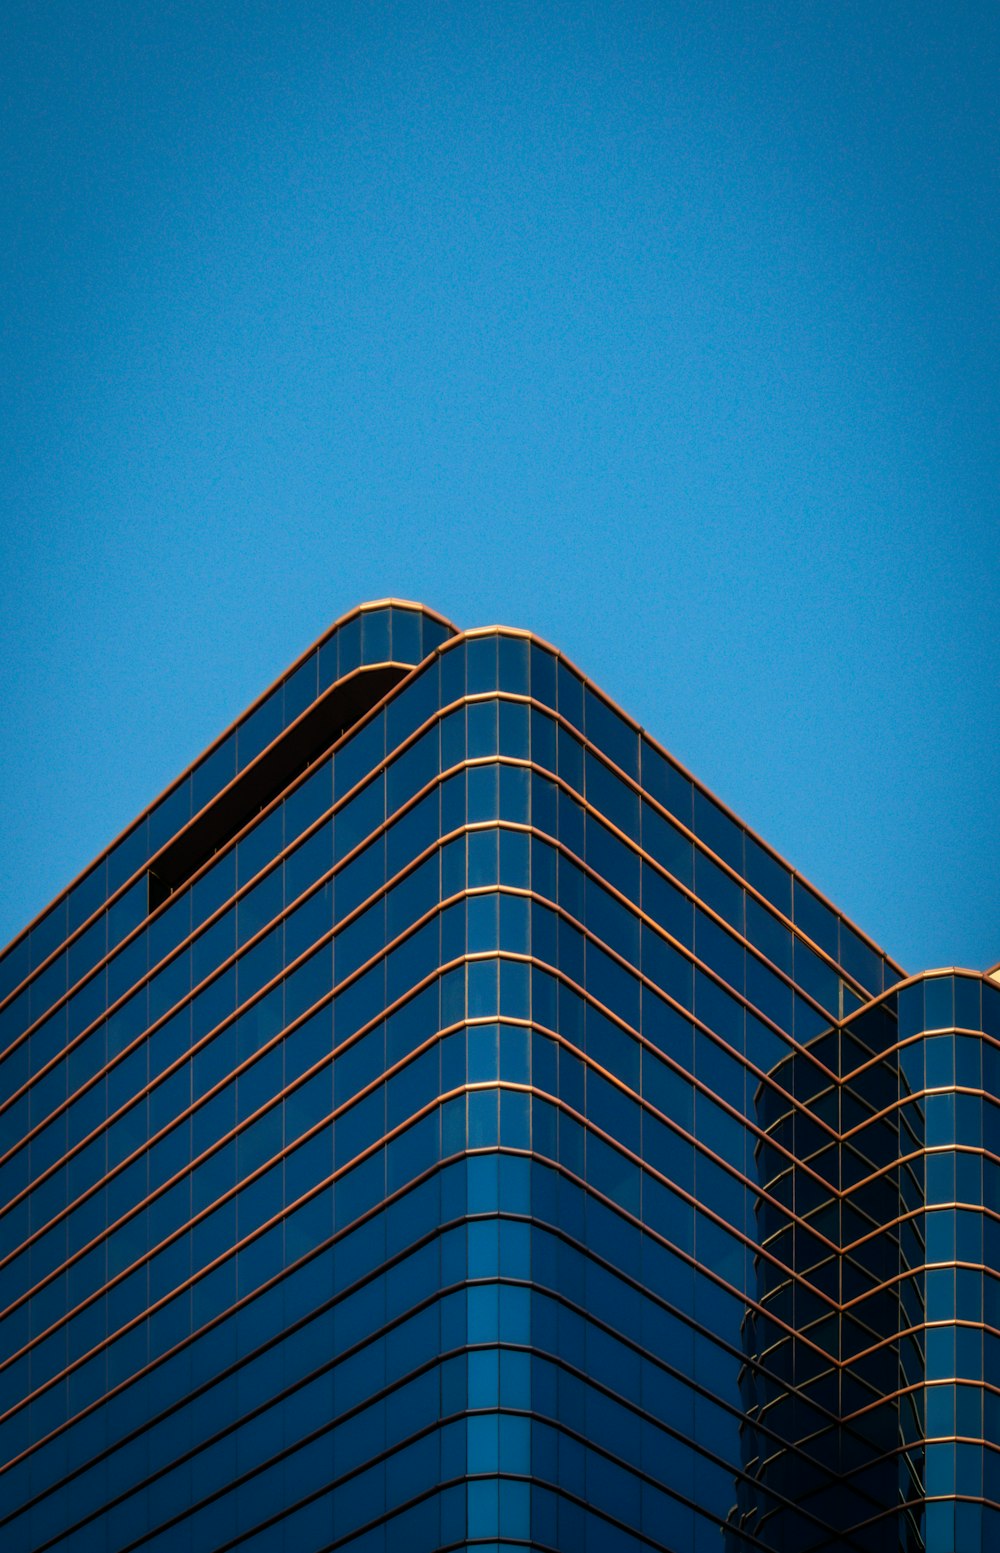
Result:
{"points": [[667, 331]]}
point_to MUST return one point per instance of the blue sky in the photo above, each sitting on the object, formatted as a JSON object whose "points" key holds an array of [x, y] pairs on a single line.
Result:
{"points": [[668, 332]]}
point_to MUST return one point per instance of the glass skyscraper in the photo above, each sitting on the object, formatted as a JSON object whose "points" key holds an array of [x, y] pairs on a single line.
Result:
{"points": [[438, 1122]]}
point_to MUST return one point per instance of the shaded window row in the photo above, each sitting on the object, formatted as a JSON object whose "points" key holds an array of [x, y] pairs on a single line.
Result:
{"points": [[486, 1263], [480, 665], [480, 924], [405, 776], [367, 872], [371, 636], [482, 1118]]}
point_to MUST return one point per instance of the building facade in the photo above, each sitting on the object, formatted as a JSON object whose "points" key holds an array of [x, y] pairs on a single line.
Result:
{"points": [[438, 1122]]}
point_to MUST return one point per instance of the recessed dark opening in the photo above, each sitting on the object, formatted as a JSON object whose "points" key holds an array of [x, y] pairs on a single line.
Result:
{"points": [[316, 730]]}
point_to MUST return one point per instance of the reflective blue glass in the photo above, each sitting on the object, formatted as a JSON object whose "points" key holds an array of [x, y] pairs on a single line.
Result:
{"points": [[488, 1142]]}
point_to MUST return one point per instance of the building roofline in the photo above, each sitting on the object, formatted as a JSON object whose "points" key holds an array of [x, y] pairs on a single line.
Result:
{"points": [[359, 609], [737, 819], [457, 637]]}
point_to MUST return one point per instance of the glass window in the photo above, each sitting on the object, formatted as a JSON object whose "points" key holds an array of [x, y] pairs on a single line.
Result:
{"points": [[258, 730], [349, 647], [83, 900], [308, 801], [300, 688], [481, 664], [664, 782], [667, 967], [938, 1002], [768, 874], [718, 831], [611, 796], [170, 815], [407, 837], [720, 1012], [543, 675], [667, 844], [719, 950], [481, 719], [88, 949], [771, 996], [513, 656], [452, 672], [260, 905], [611, 734], [514, 730], [407, 646], [127, 912], [570, 759], [816, 977], [570, 695], [309, 862], [543, 740], [328, 663], [356, 821], [940, 1058], [612, 859], [260, 845], [410, 708], [718, 890], [859, 960], [375, 638], [359, 755], [968, 1008], [769, 935], [214, 888], [482, 794], [667, 905], [816, 920], [214, 773]]}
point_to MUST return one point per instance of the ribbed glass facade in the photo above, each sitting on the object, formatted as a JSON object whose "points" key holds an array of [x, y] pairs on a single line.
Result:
{"points": [[439, 1123]]}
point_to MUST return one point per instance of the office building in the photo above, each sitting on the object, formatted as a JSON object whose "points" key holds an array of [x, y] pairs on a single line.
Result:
{"points": [[438, 1122]]}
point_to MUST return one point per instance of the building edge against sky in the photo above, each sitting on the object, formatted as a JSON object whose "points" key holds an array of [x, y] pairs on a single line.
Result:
{"points": [[475, 1135], [255, 713]]}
